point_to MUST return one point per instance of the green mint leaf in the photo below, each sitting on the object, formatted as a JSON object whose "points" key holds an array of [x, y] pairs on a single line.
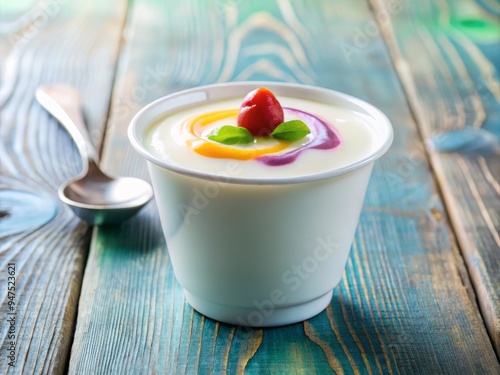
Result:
{"points": [[291, 130], [231, 135]]}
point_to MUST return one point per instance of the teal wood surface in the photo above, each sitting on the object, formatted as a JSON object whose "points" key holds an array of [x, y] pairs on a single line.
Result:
{"points": [[43, 42], [404, 304], [452, 51]]}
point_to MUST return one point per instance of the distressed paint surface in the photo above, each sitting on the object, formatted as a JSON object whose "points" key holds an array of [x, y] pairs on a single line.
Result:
{"points": [[42, 42], [401, 307], [452, 52], [405, 303]]}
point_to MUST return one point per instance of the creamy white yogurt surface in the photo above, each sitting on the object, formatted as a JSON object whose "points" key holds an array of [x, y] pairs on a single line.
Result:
{"points": [[358, 139]]}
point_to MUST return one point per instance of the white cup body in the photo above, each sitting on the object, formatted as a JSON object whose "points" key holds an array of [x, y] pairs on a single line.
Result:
{"points": [[257, 253]]}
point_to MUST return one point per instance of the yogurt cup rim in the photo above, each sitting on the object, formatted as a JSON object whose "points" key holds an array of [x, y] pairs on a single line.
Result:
{"points": [[202, 94]]}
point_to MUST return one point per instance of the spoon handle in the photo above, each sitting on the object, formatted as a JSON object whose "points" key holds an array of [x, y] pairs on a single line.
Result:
{"points": [[63, 102]]}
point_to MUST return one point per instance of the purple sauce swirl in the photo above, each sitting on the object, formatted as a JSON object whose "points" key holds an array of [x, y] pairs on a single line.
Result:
{"points": [[324, 138]]}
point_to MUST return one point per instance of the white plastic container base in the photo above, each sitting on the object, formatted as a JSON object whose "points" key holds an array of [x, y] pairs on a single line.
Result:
{"points": [[285, 241], [264, 316]]}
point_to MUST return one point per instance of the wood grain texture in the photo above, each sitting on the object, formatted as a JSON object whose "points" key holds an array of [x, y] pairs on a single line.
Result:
{"points": [[447, 54], [44, 42], [402, 305]]}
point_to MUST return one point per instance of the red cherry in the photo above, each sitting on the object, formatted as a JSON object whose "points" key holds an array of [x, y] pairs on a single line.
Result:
{"points": [[260, 113]]}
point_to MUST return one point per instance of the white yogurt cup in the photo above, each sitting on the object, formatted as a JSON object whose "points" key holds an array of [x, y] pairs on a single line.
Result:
{"points": [[258, 251]]}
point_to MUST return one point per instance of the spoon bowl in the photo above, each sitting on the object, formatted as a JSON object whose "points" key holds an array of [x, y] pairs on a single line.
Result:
{"points": [[93, 195], [107, 200]]}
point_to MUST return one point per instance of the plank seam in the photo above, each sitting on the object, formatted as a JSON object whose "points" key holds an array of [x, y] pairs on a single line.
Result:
{"points": [[405, 78], [94, 229]]}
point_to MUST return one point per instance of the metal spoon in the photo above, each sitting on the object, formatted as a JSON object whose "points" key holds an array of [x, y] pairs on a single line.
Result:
{"points": [[94, 196]]}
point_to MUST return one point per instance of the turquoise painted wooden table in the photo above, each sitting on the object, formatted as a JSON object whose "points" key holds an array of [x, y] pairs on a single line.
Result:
{"points": [[421, 290]]}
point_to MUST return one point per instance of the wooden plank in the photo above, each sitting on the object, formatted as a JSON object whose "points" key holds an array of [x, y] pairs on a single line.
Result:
{"points": [[40, 42], [403, 304], [446, 53]]}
